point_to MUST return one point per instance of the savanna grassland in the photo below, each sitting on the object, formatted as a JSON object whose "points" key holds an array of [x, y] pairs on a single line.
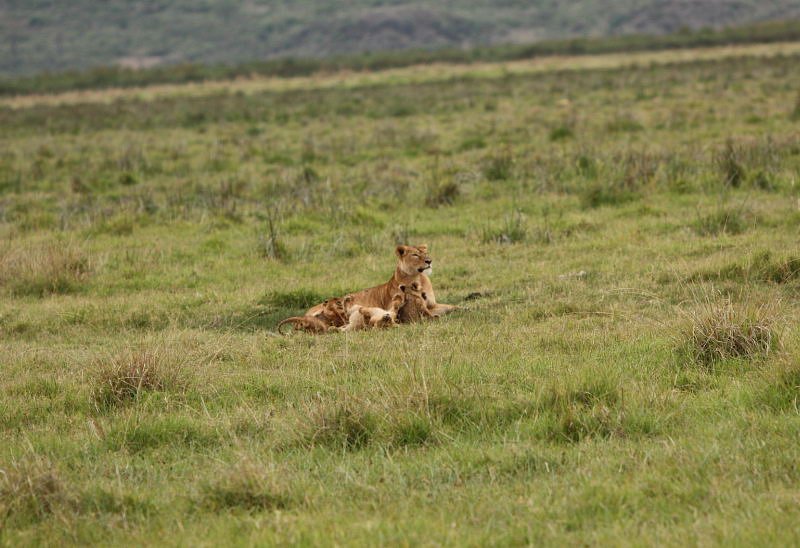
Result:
{"points": [[623, 239]]}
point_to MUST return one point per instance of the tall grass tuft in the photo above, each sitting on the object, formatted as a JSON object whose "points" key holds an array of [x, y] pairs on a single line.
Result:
{"points": [[270, 245], [761, 267], [723, 220], [247, 486], [719, 329], [125, 378], [729, 163], [513, 230], [349, 426], [30, 490], [782, 392], [441, 193], [499, 165], [44, 269]]}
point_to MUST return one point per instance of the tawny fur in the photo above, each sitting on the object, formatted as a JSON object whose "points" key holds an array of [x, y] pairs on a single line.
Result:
{"points": [[412, 263], [414, 308], [309, 324], [331, 315], [333, 312], [363, 317]]}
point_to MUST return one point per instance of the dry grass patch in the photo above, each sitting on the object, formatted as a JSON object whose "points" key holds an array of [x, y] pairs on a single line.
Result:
{"points": [[44, 269], [121, 379], [719, 329]]}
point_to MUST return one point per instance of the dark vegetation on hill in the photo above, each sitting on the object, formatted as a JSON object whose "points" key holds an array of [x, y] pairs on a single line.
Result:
{"points": [[45, 35], [118, 76]]}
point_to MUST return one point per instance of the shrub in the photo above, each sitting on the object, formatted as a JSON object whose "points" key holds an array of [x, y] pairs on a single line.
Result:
{"points": [[50, 268], [720, 330]]}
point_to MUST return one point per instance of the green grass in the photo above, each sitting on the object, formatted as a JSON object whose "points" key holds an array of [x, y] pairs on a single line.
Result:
{"points": [[624, 369]]}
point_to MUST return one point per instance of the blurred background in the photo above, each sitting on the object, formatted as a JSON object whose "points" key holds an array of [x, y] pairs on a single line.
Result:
{"points": [[56, 36]]}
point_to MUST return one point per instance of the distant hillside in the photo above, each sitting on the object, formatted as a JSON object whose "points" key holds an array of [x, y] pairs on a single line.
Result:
{"points": [[51, 35]]}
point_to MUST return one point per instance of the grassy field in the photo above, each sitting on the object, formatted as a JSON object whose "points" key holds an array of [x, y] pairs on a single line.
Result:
{"points": [[623, 239]]}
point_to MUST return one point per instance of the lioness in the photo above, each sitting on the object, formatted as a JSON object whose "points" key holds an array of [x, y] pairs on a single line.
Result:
{"points": [[413, 265]]}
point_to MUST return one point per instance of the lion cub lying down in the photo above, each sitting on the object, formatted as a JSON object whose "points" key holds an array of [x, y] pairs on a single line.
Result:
{"points": [[332, 315], [363, 317]]}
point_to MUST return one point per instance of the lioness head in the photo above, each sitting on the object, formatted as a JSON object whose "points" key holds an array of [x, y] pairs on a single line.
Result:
{"points": [[413, 260]]}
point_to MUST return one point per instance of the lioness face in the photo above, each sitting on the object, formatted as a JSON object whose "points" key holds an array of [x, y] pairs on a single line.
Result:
{"points": [[414, 260]]}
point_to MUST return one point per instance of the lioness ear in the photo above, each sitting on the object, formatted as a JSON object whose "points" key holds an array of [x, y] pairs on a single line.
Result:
{"points": [[400, 250], [423, 248]]}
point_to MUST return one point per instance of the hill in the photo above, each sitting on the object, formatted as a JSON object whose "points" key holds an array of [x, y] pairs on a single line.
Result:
{"points": [[41, 35]]}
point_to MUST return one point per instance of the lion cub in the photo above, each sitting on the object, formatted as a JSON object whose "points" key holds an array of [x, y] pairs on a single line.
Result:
{"points": [[362, 317], [309, 324], [415, 307], [331, 316]]}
